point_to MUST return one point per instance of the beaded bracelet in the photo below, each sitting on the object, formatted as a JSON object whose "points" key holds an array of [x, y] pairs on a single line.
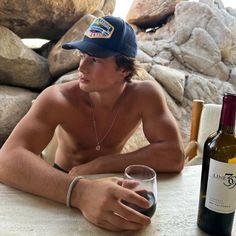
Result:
{"points": [[70, 189]]}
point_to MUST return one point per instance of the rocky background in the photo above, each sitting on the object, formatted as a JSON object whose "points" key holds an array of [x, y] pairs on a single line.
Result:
{"points": [[189, 48]]}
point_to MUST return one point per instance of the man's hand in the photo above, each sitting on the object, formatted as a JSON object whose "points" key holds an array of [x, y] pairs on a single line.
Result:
{"points": [[84, 169], [100, 203]]}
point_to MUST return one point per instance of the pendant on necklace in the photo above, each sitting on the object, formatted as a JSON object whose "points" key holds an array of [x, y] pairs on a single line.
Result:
{"points": [[98, 147]]}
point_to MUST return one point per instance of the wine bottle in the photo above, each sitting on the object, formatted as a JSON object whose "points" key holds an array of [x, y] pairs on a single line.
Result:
{"points": [[217, 201]]}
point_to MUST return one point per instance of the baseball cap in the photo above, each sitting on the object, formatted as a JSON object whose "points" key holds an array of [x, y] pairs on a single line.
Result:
{"points": [[107, 36]]}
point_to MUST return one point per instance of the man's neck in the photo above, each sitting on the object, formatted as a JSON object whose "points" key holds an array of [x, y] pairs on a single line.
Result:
{"points": [[107, 99]]}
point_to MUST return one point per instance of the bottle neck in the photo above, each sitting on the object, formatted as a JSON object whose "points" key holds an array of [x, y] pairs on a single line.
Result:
{"points": [[228, 114]]}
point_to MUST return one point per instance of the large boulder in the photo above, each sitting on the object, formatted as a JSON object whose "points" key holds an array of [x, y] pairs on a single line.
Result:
{"points": [[172, 80], [150, 13], [208, 89], [60, 60], [19, 65], [201, 15], [202, 54], [15, 102], [44, 18], [108, 7]]}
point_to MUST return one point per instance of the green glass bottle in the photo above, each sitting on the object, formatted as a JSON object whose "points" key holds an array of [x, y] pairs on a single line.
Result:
{"points": [[217, 201]]}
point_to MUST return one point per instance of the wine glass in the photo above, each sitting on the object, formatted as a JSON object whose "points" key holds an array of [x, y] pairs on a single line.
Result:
{"points": [[142, 180]]}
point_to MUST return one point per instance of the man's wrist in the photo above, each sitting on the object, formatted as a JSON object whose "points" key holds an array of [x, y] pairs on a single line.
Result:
{"points": [[77, 193], [71, 187]]}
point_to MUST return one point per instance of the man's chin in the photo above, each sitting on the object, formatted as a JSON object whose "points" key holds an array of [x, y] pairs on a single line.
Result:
{"points": [[85, 87]]}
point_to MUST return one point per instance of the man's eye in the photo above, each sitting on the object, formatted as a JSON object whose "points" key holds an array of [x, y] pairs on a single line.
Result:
{"points": [[94, 59]]}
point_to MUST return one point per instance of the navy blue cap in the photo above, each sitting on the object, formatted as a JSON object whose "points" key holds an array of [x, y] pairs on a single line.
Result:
{"points": [[107, 36]]}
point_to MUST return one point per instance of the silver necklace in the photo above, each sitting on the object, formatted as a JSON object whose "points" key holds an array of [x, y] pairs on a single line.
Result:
{"points": [[98, 145]]}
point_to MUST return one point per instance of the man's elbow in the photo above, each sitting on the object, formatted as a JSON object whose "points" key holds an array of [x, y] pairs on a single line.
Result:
{"points": [[6, 162], [3, 162], [178, 164], [1, 167]]}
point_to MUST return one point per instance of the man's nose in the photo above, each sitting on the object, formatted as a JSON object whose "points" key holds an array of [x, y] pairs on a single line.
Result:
{"points": [[83, 66]]}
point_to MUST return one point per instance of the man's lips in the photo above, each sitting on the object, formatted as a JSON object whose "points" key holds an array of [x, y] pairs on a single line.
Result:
{"points": [[84, 80]]}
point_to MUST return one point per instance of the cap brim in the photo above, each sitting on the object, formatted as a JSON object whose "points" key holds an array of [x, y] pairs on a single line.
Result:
{"points": [[90, 49]]}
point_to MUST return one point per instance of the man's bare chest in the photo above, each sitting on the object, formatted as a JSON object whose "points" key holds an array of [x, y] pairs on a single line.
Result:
{"points": [[89, 130]]}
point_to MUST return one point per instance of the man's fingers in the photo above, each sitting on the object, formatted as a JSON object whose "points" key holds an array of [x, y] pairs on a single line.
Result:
{"points": [[132, 197], [115, 222], [120, 223], [106, 210], [130, 184], [105, 224], [132, 215]]}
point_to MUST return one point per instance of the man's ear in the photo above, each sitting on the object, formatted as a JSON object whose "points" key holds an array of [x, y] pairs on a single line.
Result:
{"points": [[124, 72]]}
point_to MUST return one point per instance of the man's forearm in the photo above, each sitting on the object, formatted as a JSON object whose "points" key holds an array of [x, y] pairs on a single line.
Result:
{"points": [[25, 171], [161, 157]]}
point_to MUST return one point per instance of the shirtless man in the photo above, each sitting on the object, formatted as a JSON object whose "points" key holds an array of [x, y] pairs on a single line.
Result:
{"points": [[95, 116]]}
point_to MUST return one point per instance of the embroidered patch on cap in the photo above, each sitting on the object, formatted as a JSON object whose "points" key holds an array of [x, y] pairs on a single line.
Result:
{"points": [[100, 28]]}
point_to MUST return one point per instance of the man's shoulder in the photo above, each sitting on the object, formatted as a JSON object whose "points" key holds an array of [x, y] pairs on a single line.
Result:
{"points": [[57, 94], [59, 91], [55, 101], [146, 87]]}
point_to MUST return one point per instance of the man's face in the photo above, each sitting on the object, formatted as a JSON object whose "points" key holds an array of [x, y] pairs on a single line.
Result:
{"points": [[96, 74]]}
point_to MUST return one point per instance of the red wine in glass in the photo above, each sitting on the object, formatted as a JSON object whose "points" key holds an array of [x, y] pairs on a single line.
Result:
{"points": [[152, 202]]}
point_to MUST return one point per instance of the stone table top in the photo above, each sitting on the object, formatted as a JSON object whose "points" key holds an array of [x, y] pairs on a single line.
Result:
{"points": [[176, 215]]}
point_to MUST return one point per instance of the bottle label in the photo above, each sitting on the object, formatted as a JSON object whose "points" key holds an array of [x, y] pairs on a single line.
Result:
{"points": [[221, 187]]}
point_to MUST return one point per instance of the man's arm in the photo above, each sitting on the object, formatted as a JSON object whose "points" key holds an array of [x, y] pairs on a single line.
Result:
{"points": [[20, 164], [22, 168], [165, 151]]}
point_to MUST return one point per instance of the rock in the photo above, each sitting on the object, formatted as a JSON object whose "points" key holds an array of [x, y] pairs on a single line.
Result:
{"points": [[19, 65], [208, 17], [222, 14], [202, 54], [232, 79], [72, 75], [45, 49], [173, 106], [208, 89], [231, 11], [195, 14], [150, 13], [224, 39], [175, 64], [61, 60], [142, 74], [15, 102], [45, 19], [166, 55], [213, 4], [148, 47], [136, 141], [166, 31], [147, 67], [172, 80], [161, 61], [109, 7], [182, 35], [185, 122], [143, 57]]}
